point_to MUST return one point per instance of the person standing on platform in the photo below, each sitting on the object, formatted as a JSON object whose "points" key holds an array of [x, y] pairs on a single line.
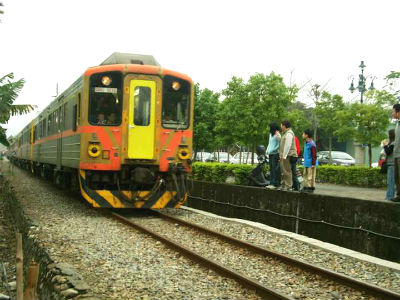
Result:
{"points": [[273, 156], [310, 162], [287, 155], [396, 152], [388, 148], [296, 183]]}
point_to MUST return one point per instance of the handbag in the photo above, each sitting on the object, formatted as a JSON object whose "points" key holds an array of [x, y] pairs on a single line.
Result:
{"points": [[383, 169]]}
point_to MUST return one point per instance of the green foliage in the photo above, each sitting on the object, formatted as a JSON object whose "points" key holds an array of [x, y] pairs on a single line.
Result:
{"points": [[381, 98], [393, 82], [218, 172], [299, 123], [354, 176], [249, 107], [3, 137], [366, 123], [206, 106], [8, 93], [326, 111]]}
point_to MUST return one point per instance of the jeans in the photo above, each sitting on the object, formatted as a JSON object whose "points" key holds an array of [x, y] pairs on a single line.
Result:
{"points": [[296, 183], [274, 170], [390, 183]]}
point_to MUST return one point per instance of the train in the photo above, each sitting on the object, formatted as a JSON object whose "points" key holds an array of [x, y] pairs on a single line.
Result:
{"points": [[121, 134]]}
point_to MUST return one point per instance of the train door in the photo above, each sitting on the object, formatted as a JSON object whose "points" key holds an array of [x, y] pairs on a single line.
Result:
{"points": [[141, 119]]}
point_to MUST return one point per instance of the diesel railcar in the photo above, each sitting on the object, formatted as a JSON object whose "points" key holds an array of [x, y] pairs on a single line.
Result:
{"points": [[121, 133]]}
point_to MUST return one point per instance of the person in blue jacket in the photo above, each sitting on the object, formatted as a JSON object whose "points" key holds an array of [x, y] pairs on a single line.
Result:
{"points": [[273, 156], [310, 162]]}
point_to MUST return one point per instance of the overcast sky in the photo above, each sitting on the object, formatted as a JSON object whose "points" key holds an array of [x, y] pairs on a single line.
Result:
{"points": [[50, 42]]}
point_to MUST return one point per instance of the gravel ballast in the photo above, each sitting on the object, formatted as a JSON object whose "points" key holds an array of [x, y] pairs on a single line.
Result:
{"points": [[115, 261], [369, 272]]}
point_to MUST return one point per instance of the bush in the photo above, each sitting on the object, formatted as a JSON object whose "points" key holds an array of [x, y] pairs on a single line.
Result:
{"points": [[355, 176]]}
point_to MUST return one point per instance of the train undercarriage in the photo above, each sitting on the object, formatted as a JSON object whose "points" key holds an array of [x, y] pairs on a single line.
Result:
{"points": [[132, 187]]}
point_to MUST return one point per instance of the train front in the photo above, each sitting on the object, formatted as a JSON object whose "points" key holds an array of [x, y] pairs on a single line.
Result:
{"points": [[136, 138]]}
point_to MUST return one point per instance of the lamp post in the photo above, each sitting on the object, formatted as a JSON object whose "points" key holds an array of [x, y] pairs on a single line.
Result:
{"points": [[359, 152], [362, 81]]}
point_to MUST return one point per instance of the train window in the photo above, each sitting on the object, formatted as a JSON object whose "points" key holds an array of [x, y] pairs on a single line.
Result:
{"points": [[44, 132], [105, 99], [141, 104], [60, 119], [176, 103], [35, 134], [79, 108], [67, 121], [49, 124]]}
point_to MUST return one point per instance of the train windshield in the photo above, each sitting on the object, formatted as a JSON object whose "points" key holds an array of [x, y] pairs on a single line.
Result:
{"points": [[105, 99], [176, 103]]}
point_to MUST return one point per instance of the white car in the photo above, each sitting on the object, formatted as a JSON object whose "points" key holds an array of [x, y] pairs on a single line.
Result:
{"points": [[222, 157], [203, 156], [244, 158]]}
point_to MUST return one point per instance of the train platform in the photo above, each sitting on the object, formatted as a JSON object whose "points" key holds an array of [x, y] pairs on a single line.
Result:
{"points": [[376, 194]]}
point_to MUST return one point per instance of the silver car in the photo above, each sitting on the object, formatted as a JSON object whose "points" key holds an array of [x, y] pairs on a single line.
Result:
{"points": [[338, 158]]}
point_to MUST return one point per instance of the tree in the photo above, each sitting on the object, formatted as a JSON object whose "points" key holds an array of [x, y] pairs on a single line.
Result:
{"points": [[366, 123], [315, 95], [205, 116], [249, 107], [298, 122], [8, 93], [393, 82], [326, 110]]}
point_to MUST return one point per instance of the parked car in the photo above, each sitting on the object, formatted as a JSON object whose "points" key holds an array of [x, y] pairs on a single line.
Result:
{"points": [[338, 158], [244, 159], [203, 156], [221, 157]]}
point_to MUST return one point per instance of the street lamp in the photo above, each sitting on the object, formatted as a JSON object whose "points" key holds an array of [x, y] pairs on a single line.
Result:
{"points": [[362, 80]]}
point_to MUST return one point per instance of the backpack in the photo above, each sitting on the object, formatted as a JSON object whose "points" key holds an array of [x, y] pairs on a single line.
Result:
{"points": [[296, 140]]}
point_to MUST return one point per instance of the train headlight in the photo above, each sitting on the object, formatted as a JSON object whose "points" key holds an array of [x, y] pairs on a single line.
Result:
{"points": [[94, 150], [106, 80], [184, 153], [176, 85]]}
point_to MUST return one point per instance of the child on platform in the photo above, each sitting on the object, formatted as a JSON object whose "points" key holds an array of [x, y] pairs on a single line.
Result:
{"points": [[310, 162]]}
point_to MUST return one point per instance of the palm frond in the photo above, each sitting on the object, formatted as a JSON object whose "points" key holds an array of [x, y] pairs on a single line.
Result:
{"points": [[3, 137], [8, 94], [21, 109]]}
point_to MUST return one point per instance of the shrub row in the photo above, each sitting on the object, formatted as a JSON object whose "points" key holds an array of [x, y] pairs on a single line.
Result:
{"points": [[238, 174]]}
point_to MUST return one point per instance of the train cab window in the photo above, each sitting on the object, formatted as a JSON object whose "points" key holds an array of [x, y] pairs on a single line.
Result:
{"points": [[105, 99], [176, 103], [141, 104]]}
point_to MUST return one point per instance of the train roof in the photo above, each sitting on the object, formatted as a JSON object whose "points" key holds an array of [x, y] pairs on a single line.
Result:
{"points": [[128, 58]]}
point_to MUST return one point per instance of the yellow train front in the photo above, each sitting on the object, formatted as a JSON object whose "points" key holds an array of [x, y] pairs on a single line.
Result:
{"points": [[136, 135], [122, 133]]}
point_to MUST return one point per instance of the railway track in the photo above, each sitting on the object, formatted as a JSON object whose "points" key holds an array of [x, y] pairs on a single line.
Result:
{"points": [[319, 277]]}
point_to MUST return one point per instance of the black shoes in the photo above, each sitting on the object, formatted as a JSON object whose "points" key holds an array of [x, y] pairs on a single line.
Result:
{"points": [[395, 199], [307, 190]]}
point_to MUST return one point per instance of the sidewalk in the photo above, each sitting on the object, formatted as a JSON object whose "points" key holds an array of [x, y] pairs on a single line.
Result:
{"points": [[350, 191]]}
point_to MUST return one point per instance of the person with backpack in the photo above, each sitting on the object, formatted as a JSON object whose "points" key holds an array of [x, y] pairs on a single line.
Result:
{"points": [[296, 183], [287, 155]]}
